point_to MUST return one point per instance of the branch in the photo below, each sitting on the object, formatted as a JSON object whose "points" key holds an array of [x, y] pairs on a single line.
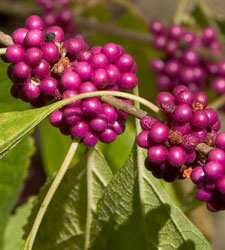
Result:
{"points": [[5, 39], [121, 105]]}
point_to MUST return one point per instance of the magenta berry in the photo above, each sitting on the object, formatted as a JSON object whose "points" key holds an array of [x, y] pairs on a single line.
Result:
{"points": [[19, 35], [15, 53], [50, 52], [159, 132], [176, 156], [34, 22], [56, 118]]}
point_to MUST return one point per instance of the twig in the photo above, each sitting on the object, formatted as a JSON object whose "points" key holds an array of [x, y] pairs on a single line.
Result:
{"points": [[180, 11], [5, 39], [121, 105]]}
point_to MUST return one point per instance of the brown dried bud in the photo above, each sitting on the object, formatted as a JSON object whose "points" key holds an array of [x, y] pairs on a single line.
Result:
{"points": [[210, 138], [187, 172], [60, 66], [175, 137], [197, 106]]}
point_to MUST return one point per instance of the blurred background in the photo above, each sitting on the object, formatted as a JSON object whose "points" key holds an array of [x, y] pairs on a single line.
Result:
{"points": [[48, 149]]}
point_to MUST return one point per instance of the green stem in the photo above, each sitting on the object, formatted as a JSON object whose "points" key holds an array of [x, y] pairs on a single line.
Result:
{"points": [[31, 237], [180, 11], [3, 51]]}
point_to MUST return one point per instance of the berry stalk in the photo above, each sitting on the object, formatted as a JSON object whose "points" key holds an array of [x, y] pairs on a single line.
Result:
{"points": [[5, 39]]}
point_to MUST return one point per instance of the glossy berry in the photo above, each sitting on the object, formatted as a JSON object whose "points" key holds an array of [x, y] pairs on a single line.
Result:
{"points": [[70, 80], [111, 50], [34, 22], [50, 52], [176, 156], [31, 90], [19, 35], [80, 129], [59, 33], [157, 154], [48, 85], [15, 53], [33, 56], [56, 118], [34, 38], [220, 140], [108, 135], [159, 132], [197, 175], [214, 169]]}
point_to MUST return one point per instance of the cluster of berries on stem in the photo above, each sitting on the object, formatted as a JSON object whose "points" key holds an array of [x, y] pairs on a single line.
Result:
{"points": [[175, 147], [182, 63], [44, 71]]}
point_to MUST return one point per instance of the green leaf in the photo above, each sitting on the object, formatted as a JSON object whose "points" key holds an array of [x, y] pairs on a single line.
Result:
{"points": [[67, 221], [135, 213], [14, 166], [15, 225], [53, 156]]}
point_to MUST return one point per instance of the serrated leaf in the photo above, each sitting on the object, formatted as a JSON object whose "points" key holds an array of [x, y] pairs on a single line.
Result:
{"points": [[67, 221], [136, 213], [14, 227]]}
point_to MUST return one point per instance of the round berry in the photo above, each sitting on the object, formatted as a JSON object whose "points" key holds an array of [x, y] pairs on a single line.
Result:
{"points": [[33, 56], [99, 60], [220, 140], [197, 175], [41, 70], [208, 35], [21, 70], [219, 85], [156, 27], [111, 50], [98, 124], [34, 22], [172, 67], [182, 113], [214, 169], [159, 132], [199, 119], [71, 93], [34, 38], [31, 90], [50, 52], [164, 97], [100, 78], [15, 53], [108, 135], [176, 156], [73, 45], [84, 70], [184, 97], [203, 194], [90, 139], [175, 31], [80, 129], [113, 73], [19, 35], [163, 82], [143, 139], [125, 62], [91, 107], [128, 80], [72, 115], [70, 80], [59, 33], [221, 184], [108, 112], [56, 118], [157, 154], [48, 85], [178, 89], [157, 65]]}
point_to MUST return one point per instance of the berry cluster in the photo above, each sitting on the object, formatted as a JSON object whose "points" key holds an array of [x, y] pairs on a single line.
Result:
{"points": [[44, 71], [100, 68], [57, 12], [182, 63], [173, 148]]}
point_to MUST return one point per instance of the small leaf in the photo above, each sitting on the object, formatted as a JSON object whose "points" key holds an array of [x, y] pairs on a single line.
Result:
{"points": [[67, 221], [136, 213], [14, 232]]}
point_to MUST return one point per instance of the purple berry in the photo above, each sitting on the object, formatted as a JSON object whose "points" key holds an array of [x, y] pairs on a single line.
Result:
{"points": [[202, 98], [197, 175], [99, 60], [113, 73], [147, 122], [217, 154], [199, 119], [183, 128], [212, 115], [15, 53], [56, 118], [108, 112], [157, 65], [184, 97], [164, 97], [128, 80], [86, 87], [203, 194], [159, 42], [34, 22], [125, 62], [34, 38], [182, 113], [100, 78], [176, 156], [84, 56], [159, 132], [108, 135], [208, 35], [48, 85], [163, 82], [80, 129], [175, 31], [172, 67], [90, 139], [157, 154], [214, 169], [71, 93], [216, 126], [156, 27], [19, 35], [118, 126], [31, 90], [190, 57], [220, 140], [201, 135], [72, 115], [219, 85], [84, 70], [91, 107], [50, 52], [111, 50], [178, 89], [33, 56], [70, 80], [143, 139], [98, 124], [73, 45], [21, 70], [59, 33], [41, 70]]}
